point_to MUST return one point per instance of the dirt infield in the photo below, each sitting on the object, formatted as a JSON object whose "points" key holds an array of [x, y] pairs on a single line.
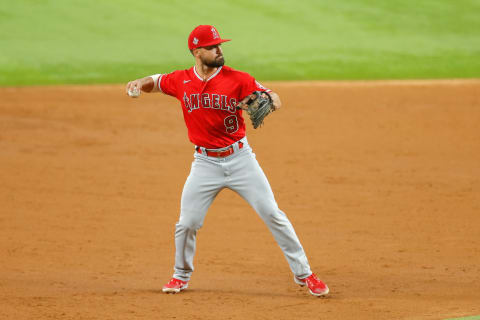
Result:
{"points": [[381, 181]]}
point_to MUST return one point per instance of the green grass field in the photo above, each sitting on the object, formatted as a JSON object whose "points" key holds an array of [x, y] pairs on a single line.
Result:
{"points": [[111, 41]]}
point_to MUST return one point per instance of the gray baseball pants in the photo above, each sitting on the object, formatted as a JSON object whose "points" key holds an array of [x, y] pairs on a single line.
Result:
{"points": [[241, 173]]}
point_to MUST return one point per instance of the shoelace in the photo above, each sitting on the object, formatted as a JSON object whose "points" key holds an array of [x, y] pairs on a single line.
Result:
{"points": [[313, 279], [175, 281]]}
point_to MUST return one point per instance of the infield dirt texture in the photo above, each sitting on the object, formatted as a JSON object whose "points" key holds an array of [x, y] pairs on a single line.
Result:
{"points": [[381, 179]]}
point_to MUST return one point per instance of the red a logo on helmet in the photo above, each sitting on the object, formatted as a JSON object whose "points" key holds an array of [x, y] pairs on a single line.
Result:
{"points": [[215, 33]]}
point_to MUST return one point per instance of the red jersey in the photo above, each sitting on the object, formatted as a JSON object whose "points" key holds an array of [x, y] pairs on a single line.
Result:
{"points": [[209, 107]]}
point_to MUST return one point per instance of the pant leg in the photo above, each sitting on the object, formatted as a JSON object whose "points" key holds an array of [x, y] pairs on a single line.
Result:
{"points": [[251, 183], [206, 179]]}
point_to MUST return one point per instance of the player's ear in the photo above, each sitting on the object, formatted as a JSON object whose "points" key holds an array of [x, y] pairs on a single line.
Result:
{"points": [[196, 52]]}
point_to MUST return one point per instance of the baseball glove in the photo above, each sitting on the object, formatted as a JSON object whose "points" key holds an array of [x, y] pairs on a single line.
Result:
{"points": [[258, 105]]}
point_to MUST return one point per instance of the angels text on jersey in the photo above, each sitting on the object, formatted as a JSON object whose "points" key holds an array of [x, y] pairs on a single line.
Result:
{"points": [[209, 100]]}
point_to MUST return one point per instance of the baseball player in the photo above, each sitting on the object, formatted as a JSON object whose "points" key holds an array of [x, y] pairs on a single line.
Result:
{"points": [[210, 93]]}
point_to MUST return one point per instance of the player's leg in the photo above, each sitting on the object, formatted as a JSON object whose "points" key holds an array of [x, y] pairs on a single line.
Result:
{"points": [[251, 183], [202, 185]]}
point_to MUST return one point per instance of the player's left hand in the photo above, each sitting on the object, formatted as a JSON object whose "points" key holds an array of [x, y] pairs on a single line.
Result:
{"points": [[277, 104], [258, 105]]}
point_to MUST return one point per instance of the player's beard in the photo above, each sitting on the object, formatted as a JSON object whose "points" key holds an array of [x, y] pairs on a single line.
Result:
{"points": [[216, 63]]}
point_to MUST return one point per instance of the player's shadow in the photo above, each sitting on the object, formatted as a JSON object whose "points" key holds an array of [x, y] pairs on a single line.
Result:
{"points": [[300, 294]]}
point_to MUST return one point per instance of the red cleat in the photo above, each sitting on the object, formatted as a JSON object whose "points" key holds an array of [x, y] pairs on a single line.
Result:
{"points": [[175, 286], [315, 285]]}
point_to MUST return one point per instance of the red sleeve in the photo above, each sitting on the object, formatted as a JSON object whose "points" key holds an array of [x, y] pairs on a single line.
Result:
{"points": [[252, 85], [167, 83]]}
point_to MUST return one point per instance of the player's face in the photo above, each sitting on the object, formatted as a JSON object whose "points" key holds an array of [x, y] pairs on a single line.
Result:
{"points": [[212, 56]]}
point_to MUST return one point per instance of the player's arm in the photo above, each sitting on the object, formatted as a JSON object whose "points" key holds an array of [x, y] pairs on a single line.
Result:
{"points": [[276, 100], [257, 86], [277, 103], [145, 84]]}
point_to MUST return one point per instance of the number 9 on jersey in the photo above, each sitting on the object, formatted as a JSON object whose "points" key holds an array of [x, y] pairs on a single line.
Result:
{"points": [[231, 124]]}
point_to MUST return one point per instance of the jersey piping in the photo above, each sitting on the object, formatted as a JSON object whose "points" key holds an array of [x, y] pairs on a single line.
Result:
{"points": [[211, 77]]}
